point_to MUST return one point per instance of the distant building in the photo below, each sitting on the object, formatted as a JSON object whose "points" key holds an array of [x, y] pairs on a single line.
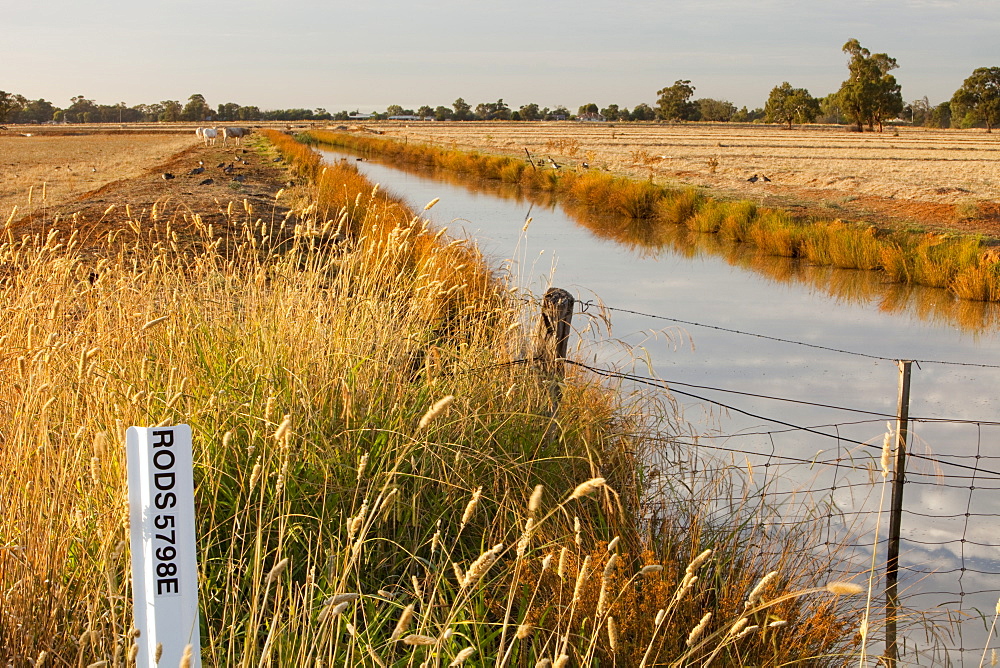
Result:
{"points": [[591, 117], [359, 117]]}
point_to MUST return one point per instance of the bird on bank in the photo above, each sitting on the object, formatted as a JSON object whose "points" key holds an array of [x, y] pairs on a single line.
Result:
{"points": [[753, 179], [555, 165], [764, 179], [167, 176]]}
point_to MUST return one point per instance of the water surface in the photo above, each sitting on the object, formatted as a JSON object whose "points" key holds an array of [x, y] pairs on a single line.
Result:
{"points": [[755, 340]]}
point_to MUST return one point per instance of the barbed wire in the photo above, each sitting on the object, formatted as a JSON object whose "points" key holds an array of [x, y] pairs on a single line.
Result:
{"points": [[591, 303]]}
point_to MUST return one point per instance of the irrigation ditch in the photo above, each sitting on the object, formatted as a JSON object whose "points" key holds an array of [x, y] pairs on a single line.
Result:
{"points": [[947, 572]]}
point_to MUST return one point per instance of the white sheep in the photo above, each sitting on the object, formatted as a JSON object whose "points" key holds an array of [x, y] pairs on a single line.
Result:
{"points": [[209, 134]]}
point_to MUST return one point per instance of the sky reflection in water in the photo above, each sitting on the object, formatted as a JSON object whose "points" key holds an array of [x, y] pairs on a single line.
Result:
{"points": [[846, 310]]}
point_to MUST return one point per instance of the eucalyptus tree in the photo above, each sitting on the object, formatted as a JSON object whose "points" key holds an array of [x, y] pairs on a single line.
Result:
{"points": [[870, 95], [529, 112], [790, 105], [674, 102], [980, 94]]}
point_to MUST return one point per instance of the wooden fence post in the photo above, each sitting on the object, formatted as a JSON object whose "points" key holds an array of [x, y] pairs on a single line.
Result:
{"points": [[552, 338], [895, 515]]}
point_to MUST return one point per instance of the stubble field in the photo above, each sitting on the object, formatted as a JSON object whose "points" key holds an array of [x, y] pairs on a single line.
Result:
{"points": [[63, 167], [936, 178]]}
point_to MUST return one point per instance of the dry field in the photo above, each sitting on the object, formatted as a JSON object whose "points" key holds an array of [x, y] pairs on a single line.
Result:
{"points": [[65, 167], [933, 177]]}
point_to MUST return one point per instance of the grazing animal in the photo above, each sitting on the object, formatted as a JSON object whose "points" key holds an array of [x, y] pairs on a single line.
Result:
{"points": [[200, 132], [209, 135], [753, 179], [234, 133]]}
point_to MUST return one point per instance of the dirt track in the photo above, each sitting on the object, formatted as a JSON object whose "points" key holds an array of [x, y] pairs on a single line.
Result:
{"points": [[252, 175]]}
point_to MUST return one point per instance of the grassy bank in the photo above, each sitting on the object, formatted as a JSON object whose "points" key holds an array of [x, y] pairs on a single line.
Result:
{"points": [[967, 266], [380, 480]]}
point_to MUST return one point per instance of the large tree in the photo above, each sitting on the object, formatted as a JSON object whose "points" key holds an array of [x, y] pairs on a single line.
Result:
{"points": [[710, 109], [529, 112], [980, 93], [9, 105], [196, 109], [463, 111], [790, 105], [870, 95], [674, 103]]}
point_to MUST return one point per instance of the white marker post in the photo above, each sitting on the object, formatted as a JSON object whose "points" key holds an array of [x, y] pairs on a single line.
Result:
{"points": [[164, 568]]}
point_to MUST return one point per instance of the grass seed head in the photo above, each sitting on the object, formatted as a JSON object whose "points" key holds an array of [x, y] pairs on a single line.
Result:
{"points": [[844, 588], [587, 488], [277, 570], [471, 506], [754, 596], [698, 629], [437, 409], [536, 499], [463, 655], [186, 657], [403, 623]]}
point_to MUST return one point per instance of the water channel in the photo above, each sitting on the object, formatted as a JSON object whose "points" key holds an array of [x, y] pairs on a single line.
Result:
{"points": [[767, 353]]}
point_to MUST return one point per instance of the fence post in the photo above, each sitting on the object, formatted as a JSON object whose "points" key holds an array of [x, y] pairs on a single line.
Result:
{"points": [[895, 514], [552, 338]]}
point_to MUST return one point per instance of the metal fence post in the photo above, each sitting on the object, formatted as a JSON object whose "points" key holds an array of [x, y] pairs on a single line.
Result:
{"points": [[895, 514]]}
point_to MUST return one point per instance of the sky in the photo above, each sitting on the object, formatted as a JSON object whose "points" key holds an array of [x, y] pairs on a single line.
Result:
{"points": [[365, 55]]}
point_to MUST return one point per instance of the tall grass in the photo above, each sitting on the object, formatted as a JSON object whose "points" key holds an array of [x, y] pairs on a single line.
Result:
{"points": [[966, 266], [378, 479]]}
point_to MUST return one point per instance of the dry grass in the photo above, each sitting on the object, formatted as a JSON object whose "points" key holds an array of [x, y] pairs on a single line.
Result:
{"points": [[303, 357], [810, 164], [65, 165]]}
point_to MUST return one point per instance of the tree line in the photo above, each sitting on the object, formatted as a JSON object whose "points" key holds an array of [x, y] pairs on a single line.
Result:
{"points": [[868, 98]]}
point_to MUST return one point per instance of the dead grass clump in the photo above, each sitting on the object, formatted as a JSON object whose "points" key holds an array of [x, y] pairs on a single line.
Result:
{"points": [[564, 146], [777, 233], [968, 209], [708, 218], [738, 218], [678, 206], [845, 246]]}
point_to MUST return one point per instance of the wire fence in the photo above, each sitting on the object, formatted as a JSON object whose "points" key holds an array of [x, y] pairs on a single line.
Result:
{"points": [[949, 547]]}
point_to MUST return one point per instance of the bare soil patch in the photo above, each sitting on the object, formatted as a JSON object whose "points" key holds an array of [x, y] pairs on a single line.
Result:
{"points": [[936, 179], [132, 182]]}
